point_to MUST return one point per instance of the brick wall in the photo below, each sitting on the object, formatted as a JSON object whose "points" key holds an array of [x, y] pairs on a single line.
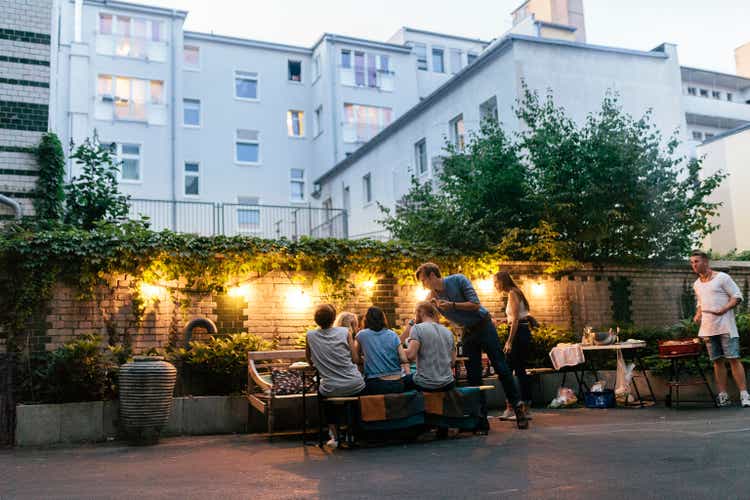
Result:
{"points": [[25, 27], [274, 307]]}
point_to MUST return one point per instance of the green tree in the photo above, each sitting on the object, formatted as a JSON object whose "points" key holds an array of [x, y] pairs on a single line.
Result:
{"points": [[93, 196], [483, 196], [613, 188], [50, 193], [610, 188]]}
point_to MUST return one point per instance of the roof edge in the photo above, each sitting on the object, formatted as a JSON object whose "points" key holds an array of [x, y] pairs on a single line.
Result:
{"points": [[134, 7], [445, 35], [246, 42], [725, 134]]}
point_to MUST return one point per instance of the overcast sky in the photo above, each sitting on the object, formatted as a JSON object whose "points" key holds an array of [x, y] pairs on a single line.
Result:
{"points": [[706, 31]]}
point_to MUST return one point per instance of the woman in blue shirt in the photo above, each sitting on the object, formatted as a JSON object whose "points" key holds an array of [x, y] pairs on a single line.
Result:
{"points": [[383, 354]]}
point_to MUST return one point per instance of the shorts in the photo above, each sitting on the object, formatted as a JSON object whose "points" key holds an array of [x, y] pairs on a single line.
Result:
{"points": [[722, 346]]}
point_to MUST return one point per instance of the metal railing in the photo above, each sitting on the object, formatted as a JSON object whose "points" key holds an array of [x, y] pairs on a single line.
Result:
{"points": [[231, 219]]}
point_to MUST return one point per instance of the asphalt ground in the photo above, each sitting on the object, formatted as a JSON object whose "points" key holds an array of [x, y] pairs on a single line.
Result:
{"points": [[576, 453]]}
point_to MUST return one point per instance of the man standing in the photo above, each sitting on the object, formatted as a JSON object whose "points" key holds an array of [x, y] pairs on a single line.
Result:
{"points": [[455, 298], [717, 295]]}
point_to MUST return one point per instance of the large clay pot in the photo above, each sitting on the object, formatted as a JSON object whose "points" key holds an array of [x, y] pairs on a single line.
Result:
{"points": [[146, 388]]}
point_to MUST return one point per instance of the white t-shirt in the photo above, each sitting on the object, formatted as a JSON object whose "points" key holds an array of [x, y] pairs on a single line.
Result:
{"points": [[712, 295]]}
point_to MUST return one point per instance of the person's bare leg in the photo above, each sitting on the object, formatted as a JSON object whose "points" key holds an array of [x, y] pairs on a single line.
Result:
{"points": [[720, 374], [738, 373]]}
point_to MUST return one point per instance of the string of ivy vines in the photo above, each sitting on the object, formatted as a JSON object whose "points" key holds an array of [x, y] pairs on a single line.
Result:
{"points": [[34, 260]]}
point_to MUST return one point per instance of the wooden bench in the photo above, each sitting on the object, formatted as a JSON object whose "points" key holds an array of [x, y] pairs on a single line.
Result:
{"points": [[259, 394]]}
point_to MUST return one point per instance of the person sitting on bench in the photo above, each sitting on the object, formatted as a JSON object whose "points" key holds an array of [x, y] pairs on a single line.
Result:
{"points": [[329, 350], [433, 347], [383, 354]]}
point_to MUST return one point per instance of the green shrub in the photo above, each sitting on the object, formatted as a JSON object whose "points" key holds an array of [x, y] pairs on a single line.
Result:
{"points": [[79, 370], [217, 366]]}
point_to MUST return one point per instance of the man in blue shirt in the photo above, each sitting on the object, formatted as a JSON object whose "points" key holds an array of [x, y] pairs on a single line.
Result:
{"points": [[455, 298]]}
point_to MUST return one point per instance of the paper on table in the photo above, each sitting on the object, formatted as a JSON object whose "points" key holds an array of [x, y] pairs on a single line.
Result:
{"points": [[566, 355]]}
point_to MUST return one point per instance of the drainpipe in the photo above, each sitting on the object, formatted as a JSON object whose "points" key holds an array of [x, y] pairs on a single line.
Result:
{"points": [[334, 96], [173, 86], [18, 211]]}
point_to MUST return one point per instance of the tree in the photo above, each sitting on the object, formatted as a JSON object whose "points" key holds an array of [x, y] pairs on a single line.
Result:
{"points": [[50, 193], [483, 194], [610, 188], [94, 196]]}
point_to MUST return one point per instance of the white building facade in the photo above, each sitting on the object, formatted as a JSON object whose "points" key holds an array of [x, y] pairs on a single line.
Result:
{"points": [[210, 128]]}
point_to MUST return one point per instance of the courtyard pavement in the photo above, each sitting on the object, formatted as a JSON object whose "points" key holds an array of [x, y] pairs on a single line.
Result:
{"points": [[577, 453]]}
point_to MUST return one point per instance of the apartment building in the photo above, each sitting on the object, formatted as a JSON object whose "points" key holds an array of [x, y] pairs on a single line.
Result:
{"points": [[209, 128], [27, 46]]}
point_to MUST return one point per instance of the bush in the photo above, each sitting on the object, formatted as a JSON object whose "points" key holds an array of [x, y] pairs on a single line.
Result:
{"points": [[79, 370], [218, 366]]}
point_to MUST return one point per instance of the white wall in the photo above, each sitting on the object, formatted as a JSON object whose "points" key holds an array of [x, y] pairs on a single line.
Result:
{"points": [[578, 76], [730, 154]]}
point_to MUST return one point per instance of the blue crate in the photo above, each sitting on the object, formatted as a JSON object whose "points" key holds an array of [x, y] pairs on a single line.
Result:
{"points": [[604, 399]]}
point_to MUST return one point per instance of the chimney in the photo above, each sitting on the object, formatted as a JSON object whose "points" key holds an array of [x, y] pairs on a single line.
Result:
{"points": [[563, 12], [742, 60]]}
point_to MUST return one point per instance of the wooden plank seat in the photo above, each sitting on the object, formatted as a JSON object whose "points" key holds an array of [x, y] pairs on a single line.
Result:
{"points": [[259, 385]]}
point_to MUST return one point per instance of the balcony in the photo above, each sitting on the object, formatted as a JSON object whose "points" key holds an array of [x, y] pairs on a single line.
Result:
{"points": [[380, 79], [709, 107], [110, 108], [132, 47], [358, 133], [233, 219]]}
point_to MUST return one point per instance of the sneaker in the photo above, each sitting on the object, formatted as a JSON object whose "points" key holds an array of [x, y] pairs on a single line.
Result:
{"points": [[508, 414], [745, 400], [722, 400], [521, 421], [332, 444]]}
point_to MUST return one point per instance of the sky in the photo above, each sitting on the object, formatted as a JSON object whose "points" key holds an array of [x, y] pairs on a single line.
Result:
{"points": [[705, 31]]}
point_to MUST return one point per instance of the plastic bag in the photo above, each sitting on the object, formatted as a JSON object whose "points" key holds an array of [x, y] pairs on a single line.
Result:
{"points": [[599, 386], [565, 397], [624, 378]]}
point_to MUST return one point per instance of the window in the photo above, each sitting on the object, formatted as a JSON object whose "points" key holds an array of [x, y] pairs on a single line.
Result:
{"points": [[692, 91], [105, 24], [295, 123], [438, 65], [704, 93], [729, 96], [457, 132], [716, 94], [471, 57], [420, 50], [359, 68], [317, 121], [130, 156], [297, 184], [295, 71], [316, 67], [346, 58], [124, 98], [246, 85], [708, 135], [192, 182], [488, 109], [127, 36], [367, 188], [456, 60], [697, 136], [420, 156], [248, 214], [362, 123], [191, 112], [191, 57], [247, 147]]}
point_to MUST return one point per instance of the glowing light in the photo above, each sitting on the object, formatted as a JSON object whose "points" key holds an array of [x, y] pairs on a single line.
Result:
{"points": [[297, 298], [243, 291], [368, 286], [421, 293], [537, 289], [153, 292], [486, 285]]}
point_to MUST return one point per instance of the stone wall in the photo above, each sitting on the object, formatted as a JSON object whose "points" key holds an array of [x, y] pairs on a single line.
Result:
{"points": [[25, 27], [279, 306]]}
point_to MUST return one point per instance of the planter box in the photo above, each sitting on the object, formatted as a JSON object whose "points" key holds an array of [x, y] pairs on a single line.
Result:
{"points": [[49, 424]]}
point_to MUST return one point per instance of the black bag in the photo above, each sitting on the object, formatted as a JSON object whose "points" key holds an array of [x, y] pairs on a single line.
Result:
{"points": [[533, 323]]}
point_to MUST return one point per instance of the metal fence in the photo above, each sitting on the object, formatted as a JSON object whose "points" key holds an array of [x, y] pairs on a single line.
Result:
{"points": [[230, 219]]}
